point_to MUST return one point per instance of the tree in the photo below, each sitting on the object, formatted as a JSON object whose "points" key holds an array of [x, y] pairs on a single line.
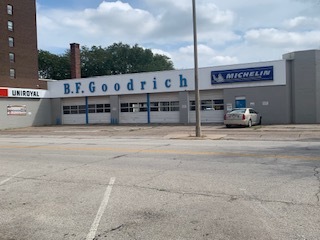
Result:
{"points": [[116, 59], [53, 66], [95, 62]]}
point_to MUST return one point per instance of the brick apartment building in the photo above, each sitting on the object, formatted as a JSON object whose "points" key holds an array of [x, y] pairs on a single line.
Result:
{"points": [[18, 45]]}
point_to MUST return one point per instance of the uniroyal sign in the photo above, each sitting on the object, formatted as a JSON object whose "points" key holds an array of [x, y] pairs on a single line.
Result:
{"points": [[22, 93]]}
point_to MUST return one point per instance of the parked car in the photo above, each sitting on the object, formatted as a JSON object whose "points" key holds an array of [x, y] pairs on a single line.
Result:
{"points": [[243, 117]]}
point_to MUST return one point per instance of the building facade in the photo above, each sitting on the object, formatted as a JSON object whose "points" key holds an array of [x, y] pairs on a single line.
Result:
{"points": [[18, 45], [283, 91]]}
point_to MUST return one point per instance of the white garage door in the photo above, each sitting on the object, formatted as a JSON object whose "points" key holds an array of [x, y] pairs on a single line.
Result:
{"points": [[164, 108], [99, 110], [73, 111], [211, 105], [133, 109]]}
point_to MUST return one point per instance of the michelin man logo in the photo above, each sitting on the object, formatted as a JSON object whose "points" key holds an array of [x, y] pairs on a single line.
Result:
{"points": [[219, 79]]}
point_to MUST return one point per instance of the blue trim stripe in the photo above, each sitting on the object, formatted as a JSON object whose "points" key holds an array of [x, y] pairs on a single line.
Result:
{"points": [[87, 111], [148, 107]]}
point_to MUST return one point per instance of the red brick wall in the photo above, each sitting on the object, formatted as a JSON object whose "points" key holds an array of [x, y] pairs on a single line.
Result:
{"points": [[75, 60], [25, 45]]}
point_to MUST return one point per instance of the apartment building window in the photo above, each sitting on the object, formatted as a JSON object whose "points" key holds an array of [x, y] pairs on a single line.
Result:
{"points": [[10, 26], [11, 41], [10, 9], [12, 73], [12, 57]]}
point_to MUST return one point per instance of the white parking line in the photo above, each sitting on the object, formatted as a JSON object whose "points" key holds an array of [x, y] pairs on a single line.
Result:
{"points": [[94, 227], [8, 179]]}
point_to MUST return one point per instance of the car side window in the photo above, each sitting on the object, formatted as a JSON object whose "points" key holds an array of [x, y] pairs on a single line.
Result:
{"points": [[253, 111]]}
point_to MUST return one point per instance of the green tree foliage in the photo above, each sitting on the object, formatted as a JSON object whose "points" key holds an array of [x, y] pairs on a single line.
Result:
{"points": [[94, 62], [116, 59], [53, 66]]}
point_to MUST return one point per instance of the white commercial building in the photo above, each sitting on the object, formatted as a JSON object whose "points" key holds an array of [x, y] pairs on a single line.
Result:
{"points": [[283, 91]]}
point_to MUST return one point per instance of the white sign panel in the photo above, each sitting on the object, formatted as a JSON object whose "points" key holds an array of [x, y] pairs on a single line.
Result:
{"points": [[26, 93], [164, 81], [17, 110]]}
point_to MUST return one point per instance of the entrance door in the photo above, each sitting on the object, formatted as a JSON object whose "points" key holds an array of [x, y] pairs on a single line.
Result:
{"points": [[241, 103]]}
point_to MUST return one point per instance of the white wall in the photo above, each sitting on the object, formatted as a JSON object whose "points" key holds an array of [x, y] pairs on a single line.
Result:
{"points": [[38, 113], [158, 82]]}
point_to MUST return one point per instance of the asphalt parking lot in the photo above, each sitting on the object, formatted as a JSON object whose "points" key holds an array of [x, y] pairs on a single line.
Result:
{"points": [[160, 182]]}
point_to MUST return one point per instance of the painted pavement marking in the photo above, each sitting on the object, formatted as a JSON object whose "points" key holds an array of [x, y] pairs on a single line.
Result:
{"points": [[94, 227]]}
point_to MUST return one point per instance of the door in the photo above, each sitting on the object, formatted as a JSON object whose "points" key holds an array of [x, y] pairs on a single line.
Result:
{"points": [[254, 116], [73, 111], [241, 103]]}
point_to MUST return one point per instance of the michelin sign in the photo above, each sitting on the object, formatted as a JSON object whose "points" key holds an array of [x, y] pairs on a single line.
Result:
{"points": [[242, 75]]}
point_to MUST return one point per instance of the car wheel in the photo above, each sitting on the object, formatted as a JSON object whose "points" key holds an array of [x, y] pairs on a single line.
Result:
{"points": [[250, 123], [228, 125]]}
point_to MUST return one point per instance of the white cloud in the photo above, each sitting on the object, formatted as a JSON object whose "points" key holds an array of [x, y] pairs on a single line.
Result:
{"points": [[302, 23], [278, 38], [228, 32], [206, 57]]}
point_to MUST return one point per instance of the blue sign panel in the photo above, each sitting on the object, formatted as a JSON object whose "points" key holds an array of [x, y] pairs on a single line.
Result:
{"points": [[242, 75]]}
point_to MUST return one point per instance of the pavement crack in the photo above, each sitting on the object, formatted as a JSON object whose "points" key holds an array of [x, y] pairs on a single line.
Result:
{"points": [[228, 197], [120, 156], [317, 175], [116, 228], [41, 179]]}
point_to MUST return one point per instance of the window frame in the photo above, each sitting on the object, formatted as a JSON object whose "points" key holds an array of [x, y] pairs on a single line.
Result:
{"points": [[207, 105], [12, 57], [10, 26], [82, 109], [11, 41], [12, 73], [10, 9]]}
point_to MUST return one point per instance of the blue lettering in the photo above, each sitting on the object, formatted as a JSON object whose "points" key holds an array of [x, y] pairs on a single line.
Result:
{"points": [[78, 85], [168, 83], [230, 76], [92, 87], [104, 87], [143, 83], [246, 74], [154, 83], [117, 87], [130, 85], [66, 88], [267, 73], [183, 81]]}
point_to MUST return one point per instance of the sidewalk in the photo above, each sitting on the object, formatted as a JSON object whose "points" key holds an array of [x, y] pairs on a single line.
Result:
{"points": [[305, 132]]}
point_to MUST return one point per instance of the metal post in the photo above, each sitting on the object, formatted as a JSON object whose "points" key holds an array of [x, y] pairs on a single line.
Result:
{"points": [[196, 81]]}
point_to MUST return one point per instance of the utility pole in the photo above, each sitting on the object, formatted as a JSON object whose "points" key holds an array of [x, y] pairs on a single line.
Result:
{"points": [[196, 80]]}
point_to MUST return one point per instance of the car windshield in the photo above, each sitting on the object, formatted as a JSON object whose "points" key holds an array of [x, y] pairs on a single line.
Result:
{"points": [[238, 111]]}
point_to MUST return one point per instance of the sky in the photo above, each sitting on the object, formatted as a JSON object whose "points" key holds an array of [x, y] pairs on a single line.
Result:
{"points": [[229, 32]]}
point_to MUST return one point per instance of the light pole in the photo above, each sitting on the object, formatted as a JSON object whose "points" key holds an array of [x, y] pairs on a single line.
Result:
{"points": [[196, 80]]}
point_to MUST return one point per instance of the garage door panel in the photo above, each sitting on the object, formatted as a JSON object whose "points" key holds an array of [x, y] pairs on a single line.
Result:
{"points": [[99, 110], [211, 104], [72, 111], [133, 109], [73, 119], [208, 116], [162, 117], [133, 117], [164, 108]]}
